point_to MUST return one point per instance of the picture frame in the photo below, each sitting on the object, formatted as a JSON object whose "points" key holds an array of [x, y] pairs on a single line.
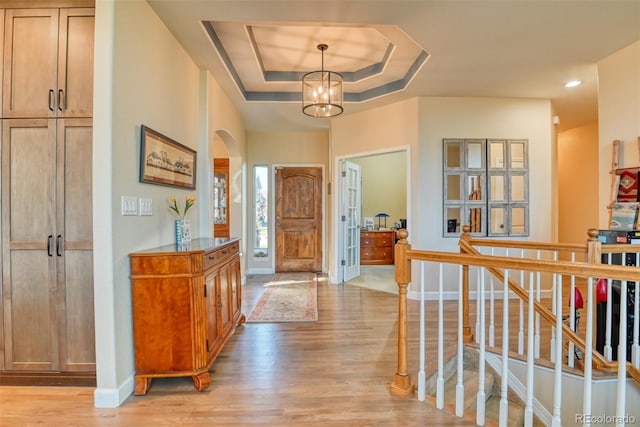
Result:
{"points": [[164, 161]]}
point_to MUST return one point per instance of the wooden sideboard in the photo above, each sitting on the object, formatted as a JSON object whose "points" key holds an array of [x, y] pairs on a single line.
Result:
{"points": [[186, 304], [376, 247]]}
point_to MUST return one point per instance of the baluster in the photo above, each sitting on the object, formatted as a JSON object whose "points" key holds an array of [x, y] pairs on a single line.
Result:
{"points": [[553, 310], [492, 328], [504, 388], [528, 410], [521, 320], [556, 421], [460, 373], [537, 336], [481, 397], [478, 306], [572, 315], [586, 396], [622, 357], [440, 379], [608, 353], [421, 372]]}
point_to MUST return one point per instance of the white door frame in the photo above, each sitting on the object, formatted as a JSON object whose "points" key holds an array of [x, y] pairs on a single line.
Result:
{"points": [[337, 275]]}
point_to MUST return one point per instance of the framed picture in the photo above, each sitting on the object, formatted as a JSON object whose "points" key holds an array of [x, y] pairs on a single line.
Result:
{"points": [[368, 222], [164, 161]]}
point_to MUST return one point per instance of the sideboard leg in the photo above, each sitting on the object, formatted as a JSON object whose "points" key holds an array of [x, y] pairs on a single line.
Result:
{"points": [[142, 385], [201, 381]]}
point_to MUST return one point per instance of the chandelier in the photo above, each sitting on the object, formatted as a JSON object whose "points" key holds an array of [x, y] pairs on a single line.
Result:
{"points": [[322, 91]]}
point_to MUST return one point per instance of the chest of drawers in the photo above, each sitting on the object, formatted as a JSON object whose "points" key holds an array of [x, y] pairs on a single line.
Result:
{"points": [[376, 247]]}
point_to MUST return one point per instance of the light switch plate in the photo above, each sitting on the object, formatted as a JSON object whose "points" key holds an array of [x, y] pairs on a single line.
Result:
{"points": [[146, 206], [129, 205]]}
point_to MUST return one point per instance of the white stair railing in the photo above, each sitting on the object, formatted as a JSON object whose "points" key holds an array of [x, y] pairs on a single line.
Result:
{"points": [[502, 268]]}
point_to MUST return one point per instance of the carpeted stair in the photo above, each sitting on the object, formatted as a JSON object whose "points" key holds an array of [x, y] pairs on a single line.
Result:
{"points": [[492, 384]]}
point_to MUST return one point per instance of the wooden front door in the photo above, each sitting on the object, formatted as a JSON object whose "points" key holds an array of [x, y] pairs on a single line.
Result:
{"points": [[299, 219]]}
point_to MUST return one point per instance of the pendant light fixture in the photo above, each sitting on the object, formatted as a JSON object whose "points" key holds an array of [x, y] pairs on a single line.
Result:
{"points": [[322, 91]]}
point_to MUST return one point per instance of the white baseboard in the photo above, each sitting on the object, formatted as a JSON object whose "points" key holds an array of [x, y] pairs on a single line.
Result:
{"points": [[113, 397], [254, 270]]}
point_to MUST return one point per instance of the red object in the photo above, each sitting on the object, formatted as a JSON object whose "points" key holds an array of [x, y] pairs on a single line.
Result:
{"points": [[577, 296], [601, 291]]}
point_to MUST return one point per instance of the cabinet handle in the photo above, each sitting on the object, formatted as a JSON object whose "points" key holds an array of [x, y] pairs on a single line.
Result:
{"points": [[51, 102], [59, 245], [49, 241], [61, 103]]}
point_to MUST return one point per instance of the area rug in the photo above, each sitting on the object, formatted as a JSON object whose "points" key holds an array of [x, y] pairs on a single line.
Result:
{"points": [[288, 297]]}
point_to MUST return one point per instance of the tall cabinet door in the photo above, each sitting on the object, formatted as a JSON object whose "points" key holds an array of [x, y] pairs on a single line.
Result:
{"points": [[48, 66], [28, 244], [74, 245], [30, 63], [75, 73], [47, 247]]}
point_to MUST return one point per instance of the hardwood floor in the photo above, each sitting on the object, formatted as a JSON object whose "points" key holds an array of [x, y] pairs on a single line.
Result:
{"points": [[334, 372]]}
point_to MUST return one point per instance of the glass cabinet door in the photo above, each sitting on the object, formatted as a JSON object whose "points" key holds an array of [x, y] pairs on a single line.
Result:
{"points": [[220, 197]]}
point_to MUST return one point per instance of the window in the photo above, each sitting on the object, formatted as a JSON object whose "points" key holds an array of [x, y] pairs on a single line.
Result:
{"points": [[261, 211], [486, 187]]}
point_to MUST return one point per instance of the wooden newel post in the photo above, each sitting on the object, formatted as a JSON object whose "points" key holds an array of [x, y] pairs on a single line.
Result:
{"points": [[467, 335], [594, 247], [402, 385]]}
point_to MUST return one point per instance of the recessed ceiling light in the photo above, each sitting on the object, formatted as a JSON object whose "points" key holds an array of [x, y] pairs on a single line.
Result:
{"points": [[573, 83]]}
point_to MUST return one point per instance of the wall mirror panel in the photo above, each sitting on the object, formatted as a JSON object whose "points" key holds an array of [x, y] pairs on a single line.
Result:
{"points": [[497, 218], [454, 188], [487, 181], [497, 191], [453, 154], [496, 154], [475, 155]]}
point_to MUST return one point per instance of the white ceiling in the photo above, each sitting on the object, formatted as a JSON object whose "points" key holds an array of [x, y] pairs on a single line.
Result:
{"points": [[391, 50]]}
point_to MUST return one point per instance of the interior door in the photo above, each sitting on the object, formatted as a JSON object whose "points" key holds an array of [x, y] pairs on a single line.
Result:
{"points": [[298, 218], [351, 214]]}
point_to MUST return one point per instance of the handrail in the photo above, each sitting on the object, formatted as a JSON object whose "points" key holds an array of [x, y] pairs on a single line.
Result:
{"points": [[521, 244], [626, 273], [469, 256], [598, 360]]}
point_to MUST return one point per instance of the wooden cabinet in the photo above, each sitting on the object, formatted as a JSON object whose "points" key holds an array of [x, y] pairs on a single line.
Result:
{"points": [[47, 319], [221, 197], [186, 304], [47, 271], [48, 63], [376, 247]]}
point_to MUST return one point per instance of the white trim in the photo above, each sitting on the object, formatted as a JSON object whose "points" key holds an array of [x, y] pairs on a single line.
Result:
{"points": [[113, 397], [518, 388], [336, 275], [264, 270]]}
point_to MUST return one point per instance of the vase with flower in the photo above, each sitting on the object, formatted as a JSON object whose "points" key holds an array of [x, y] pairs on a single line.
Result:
{"points": [[182, 225]]}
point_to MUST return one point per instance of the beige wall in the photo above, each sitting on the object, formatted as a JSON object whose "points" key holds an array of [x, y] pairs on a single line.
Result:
{"points": [[484, 118], [142, 76], [286, 149], [577, 172], [384, 186], [392, 127], [618, 116]]}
